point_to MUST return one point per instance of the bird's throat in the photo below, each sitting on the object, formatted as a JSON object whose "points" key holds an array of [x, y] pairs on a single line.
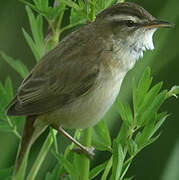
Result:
{"points": [[128, 51]]}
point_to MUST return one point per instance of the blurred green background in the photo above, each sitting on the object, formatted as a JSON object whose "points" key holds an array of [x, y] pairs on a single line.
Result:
{"points": [[159, 161]]}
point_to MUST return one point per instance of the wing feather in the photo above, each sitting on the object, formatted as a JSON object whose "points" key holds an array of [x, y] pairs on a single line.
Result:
{"points": [[57, 80]]}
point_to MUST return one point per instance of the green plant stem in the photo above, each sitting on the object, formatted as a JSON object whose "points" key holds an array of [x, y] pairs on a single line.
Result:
{"points": [[16, 133], [107, 169], [43, 152], [92, 13], [85, 162], [128, 160], [59, 19], [21, 172], [57, 27], [14, 130], [72, 25], [54, 140]]}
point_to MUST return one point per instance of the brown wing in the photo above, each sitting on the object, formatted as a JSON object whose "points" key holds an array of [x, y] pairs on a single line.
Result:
{"points": [[57, 80]]}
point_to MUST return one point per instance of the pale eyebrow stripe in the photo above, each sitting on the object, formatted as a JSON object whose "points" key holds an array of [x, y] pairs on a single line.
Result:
{"points": [[122, 17]]}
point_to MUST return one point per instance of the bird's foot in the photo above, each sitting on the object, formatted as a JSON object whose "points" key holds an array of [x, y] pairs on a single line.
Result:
{"points": [[88, 151]]}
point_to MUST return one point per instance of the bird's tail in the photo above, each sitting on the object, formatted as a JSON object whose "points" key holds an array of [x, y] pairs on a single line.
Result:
{"points": [[32, 129]]}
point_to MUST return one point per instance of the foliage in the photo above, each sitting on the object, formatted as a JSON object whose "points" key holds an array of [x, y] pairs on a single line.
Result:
{"points": [[6, 123], [140, 122]]}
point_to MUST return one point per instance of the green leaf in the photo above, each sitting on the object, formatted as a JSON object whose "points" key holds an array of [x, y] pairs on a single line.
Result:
{"points": [[101, 139], [52, 13], [68, 167], [102, 4], [82, 4], [118, 160], [36, 28], [149, 113], [87, 10], [9, 88], [29, 4], [132, 147], [98, 169], [148, 99], [4, 96], [43, 9], [125, 170], [32, 45], [17, 65], [43, 4], [110, 3], [140, 91], [72, 4], [37, 3], [54, 175], [122, 135], [129, 178], [75, 159], [33, 25], [77, 16], [21, 172], [143, 136], [173, 92], [107, 169], [39, 22], [160, 120], [152, 140], [125, 112]]}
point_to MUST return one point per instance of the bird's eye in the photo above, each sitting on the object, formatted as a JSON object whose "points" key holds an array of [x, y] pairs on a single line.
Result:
{"points": [[130, 23]]}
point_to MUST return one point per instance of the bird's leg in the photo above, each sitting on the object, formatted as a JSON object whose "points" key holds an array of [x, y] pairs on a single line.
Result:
{"points": [[86, 150]]}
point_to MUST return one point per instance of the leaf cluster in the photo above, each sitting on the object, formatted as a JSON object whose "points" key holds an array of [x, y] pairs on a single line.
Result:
{"points": [[45, 9], [140, 122], [6, 123], [140, 127], [86, 10]]}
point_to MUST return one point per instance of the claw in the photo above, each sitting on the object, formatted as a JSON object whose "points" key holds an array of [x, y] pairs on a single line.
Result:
{"points": [[88, 151]]}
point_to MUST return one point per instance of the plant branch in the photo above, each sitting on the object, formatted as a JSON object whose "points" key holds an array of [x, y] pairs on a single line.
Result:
{"points": [[85, 162], [53, 134], [107, 169], [14, 129], [43, 152], [71, 25]]}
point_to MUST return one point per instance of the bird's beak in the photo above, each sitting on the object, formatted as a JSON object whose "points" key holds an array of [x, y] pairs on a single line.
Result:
{"points": [[158, 24]]}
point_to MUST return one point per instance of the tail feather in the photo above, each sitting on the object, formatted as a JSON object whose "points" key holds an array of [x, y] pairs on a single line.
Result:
{"points": [[25, 142], [10, 107], [32, 130]]}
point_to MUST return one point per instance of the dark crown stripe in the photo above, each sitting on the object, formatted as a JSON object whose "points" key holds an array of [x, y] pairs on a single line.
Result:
{"points": [[126, 11], [130, 9]]}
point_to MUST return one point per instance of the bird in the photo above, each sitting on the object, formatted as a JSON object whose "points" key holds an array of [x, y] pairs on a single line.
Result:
{"points": [[75, 84]]}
